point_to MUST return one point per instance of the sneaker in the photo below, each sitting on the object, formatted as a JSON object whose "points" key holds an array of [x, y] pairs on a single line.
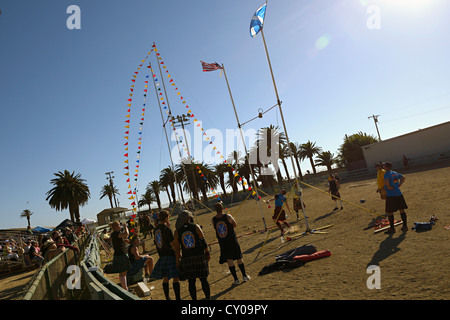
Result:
{"points": [[335, 209], [405, 228], [342, 207], [246, 278], [236, 282]]}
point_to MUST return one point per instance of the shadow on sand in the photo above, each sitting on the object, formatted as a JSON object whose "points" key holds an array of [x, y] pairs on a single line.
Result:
{"points": [[387, 248]]}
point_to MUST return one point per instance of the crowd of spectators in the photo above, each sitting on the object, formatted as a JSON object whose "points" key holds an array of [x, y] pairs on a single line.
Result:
{"points": [[37, 249]]}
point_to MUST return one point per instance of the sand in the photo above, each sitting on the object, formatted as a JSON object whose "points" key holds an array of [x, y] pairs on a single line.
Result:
{"points": [[412, 265]]}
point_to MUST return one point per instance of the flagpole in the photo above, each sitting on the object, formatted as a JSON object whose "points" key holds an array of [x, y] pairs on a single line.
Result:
{"points": [[245, 148], [285, 131], [168, 144]]}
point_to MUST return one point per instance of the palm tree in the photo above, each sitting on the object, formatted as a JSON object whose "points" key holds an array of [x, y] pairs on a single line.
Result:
{"points": [[206, 180], [244, 172], [326, 159], [69, 192], [284, 153], [146, 199], [155, 188], [26, 214], [167, 179], [185, 172], [264, 139], [309, 150], [295, 149], [233, 161], [220, 170], [109, 191]]}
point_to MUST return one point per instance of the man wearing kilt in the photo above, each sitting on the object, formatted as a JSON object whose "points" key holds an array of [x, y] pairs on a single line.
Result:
{"points": [[121, 263], [394, 197], [194, 253], [230, 250], [279, 215], [166, 266]]}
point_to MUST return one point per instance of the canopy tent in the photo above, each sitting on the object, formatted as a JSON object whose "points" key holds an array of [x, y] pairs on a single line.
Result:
{"points": [[66, 223], [39, 229], [87, 221]]}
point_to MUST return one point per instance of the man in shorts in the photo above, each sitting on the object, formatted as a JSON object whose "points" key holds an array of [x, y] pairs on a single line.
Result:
{"points": [[230, 249], [394, 197], [279, 215]]}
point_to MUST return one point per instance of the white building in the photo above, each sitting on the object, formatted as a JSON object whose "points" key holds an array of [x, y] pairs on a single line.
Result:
{"points": [[423, 146]]}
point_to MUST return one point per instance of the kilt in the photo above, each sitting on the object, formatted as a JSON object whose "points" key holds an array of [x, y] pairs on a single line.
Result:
{"points": [[395, 203], [279, 212], [335, 194], [120, 263], [166, 266], [193, 267], [229, 252]]}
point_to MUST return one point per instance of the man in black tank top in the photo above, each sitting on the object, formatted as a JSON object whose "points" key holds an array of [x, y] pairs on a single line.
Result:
{"points": [[189, 239], [230, 250]]}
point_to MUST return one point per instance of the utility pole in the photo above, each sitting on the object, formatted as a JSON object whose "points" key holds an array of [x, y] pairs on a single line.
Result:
{"points": [[375, 119], [110, 178], [182, 120]]}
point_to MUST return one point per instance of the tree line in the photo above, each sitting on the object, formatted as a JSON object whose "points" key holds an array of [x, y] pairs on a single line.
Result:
{"points": [[70, 191]]}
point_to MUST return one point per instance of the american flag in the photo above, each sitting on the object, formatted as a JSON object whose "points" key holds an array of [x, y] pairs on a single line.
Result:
{"points": [[210, 66]]}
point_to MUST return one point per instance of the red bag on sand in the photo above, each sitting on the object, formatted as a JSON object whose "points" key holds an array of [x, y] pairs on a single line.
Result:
{"points": [[314, 256]]}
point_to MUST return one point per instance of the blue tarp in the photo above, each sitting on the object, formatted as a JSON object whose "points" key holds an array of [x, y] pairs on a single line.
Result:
{"points": [[41, 229]]}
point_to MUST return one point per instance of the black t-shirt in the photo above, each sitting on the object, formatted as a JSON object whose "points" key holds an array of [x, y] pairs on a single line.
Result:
{"points": [[224, 230], [189, 240], [130, 254], [333, 186], [119, 245], [163, 238]]}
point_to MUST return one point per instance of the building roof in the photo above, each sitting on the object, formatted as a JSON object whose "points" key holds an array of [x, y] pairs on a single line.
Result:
{"points": [[112, 210]]}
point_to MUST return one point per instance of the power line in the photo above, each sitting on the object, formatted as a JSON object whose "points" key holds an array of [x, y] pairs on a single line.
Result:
{"points": [[417, 114]]}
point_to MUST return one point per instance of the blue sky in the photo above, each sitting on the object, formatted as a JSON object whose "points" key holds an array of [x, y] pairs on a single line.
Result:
{"points": [[63, 92]]}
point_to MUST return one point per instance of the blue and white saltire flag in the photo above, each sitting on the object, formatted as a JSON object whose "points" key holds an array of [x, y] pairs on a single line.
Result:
{"points": [[257, 20]]}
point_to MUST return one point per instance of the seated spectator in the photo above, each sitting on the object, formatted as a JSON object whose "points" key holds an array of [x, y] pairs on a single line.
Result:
{"points": [[50, 250], [63, 242], [8, 251], [35, 254], [105, 237], [68, 234], [26, 246], [138, 261]]}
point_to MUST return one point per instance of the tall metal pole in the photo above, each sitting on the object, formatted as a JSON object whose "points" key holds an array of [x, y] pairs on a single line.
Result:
{"points": [[285, 132], [170, 115], [181, 120], [255, 186], [180, 192]]}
